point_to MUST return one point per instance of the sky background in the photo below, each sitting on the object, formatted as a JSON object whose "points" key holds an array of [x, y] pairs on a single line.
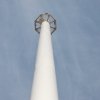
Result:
{"points": [[76, 44]]}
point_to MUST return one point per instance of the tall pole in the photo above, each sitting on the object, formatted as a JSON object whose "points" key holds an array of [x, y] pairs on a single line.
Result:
{"points": [[44, 83]]}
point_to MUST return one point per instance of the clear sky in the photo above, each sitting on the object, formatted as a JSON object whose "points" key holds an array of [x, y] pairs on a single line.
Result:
{"points": [[76, 46]]}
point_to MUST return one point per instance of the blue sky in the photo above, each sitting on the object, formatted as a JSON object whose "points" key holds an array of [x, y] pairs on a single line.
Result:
{"points": [[76, 46]]}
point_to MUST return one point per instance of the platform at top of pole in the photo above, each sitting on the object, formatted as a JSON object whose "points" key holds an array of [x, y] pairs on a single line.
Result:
{"points": [[45, 17]]}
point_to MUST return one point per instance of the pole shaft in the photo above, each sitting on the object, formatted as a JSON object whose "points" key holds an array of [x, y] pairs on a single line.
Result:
{"points": [[44, 83]]}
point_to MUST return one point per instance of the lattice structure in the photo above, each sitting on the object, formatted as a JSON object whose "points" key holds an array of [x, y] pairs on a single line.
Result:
{"points": [[45, 17]]}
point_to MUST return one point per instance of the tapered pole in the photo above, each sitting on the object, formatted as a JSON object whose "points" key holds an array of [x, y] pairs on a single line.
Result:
{"points": [[44, 85]]}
